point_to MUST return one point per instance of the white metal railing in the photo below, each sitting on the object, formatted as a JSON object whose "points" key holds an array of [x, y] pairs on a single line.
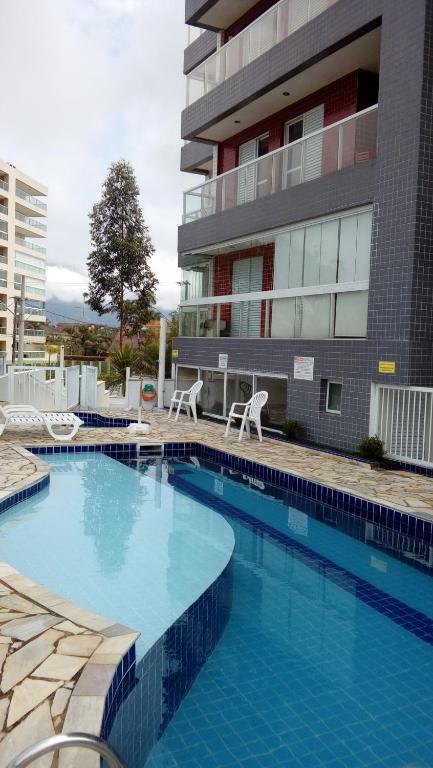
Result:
{"points": [[4, 185], [31, 199], [403, 418], [28, 220], [35, 386], [26, 244], [341, 145], [273, 26]]}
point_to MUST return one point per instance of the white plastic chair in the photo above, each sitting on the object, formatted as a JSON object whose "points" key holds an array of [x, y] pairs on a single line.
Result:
{"points": [[251, 412], [26, 416], [186, 399]]}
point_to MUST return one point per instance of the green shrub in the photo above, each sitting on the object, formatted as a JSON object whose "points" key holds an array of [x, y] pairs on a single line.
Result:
{"points": [[292, 429], [371, 448]]}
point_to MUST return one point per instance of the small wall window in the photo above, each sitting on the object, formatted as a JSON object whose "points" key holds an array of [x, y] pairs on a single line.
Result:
{"points": [[333, 397]]}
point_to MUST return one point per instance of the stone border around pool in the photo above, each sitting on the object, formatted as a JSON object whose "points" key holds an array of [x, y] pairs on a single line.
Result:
{"points": [[38, 617]]}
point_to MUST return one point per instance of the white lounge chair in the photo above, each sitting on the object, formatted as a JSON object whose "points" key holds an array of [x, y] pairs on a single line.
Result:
{"points": [[251, 412], [186, 399], [26, 416]]}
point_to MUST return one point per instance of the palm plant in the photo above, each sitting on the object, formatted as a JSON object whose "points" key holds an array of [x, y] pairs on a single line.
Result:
{"points": [[124, 358]]}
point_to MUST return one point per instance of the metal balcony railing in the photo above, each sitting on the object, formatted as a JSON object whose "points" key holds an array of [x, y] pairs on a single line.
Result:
{"points": [[276, 24], [31, 222], [31, 199], [349, 142]]}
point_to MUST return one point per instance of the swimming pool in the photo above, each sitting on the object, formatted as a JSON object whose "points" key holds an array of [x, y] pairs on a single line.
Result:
{"points": [[327, 651]]}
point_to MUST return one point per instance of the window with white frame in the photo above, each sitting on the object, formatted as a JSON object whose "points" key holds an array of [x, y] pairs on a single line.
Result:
{"points": [[334, 390]]}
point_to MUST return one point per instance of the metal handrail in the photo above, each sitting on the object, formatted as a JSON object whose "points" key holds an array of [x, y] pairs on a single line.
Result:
{"points": [[64, 741]]}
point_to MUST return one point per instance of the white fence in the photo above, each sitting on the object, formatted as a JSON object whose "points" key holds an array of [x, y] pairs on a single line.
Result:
{"points": [[48, 389], [88, 386], [403, 418]]}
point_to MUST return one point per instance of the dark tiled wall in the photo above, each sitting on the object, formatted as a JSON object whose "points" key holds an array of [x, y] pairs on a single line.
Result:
{"points": [[199, 50], [353, 361], [193, 154]]}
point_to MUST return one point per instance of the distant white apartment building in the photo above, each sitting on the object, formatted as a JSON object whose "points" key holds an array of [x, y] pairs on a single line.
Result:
{"points": [[23, 231]]}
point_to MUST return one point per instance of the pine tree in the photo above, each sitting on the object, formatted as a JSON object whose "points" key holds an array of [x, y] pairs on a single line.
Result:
{"points": [[121, 247]]}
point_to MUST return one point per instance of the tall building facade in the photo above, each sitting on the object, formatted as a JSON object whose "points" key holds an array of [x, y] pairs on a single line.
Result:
{"points": [[306, 249], [23, 230]]}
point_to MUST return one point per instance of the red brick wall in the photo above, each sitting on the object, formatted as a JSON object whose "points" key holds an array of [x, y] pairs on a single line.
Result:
{"points": [[340, 99], [223, 276]]}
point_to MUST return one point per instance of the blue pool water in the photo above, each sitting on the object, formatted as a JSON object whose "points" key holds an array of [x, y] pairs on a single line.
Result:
{"points": [[326, 659]]}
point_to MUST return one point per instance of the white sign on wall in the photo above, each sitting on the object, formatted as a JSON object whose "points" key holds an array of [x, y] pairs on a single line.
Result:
{"points": [[223, 361], [303, 368]]}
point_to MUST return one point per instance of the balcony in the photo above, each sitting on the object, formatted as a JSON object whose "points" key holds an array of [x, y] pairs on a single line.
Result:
{"points": [[31, 199], [29, 221], [34, 333], [4, 185], [278, 23], [340, 312], [26, 244], [350, 142], [4, 210]]}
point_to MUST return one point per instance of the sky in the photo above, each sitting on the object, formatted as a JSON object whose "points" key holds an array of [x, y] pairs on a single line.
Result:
{"points": [[85, 83]]}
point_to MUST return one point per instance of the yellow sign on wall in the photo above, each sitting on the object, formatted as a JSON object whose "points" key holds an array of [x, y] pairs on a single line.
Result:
{"points": [[386, 366], [175, 353]]}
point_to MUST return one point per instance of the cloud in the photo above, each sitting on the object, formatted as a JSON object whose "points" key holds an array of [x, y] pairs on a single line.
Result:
{"points": [[102, 79]]}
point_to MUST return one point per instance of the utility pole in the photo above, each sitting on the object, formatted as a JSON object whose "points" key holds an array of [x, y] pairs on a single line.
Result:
{"points": [[14, 331], [21, 326]]}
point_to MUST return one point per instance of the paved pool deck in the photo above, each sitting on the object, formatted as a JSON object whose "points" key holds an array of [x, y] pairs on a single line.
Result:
{"points": [[405, 491]]}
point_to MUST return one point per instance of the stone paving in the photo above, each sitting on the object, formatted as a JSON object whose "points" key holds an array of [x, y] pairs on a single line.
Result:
{"points": [[401, 490], [57, 662]]}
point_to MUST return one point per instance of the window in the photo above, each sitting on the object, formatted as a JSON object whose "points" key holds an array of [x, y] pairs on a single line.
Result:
{"points": [[253, 181], [324, 253], [333, 397]]}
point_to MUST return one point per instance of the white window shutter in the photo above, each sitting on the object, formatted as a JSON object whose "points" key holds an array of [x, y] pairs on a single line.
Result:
{"points": [[313, 121], [246, 176], [247, 277]]}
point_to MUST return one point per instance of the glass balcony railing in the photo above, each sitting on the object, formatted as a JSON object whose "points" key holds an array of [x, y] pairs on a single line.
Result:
{"points": [[4, 209], [31, 199], [318, 316], [33, 354], [4, 184], [271, 28], [32, 332], [26, 244], [31, 222], [3, 306], [35, 311], [350, 142]]}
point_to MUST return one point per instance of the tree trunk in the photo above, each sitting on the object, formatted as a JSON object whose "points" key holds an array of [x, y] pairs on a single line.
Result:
{"points": [[121, 324]]}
